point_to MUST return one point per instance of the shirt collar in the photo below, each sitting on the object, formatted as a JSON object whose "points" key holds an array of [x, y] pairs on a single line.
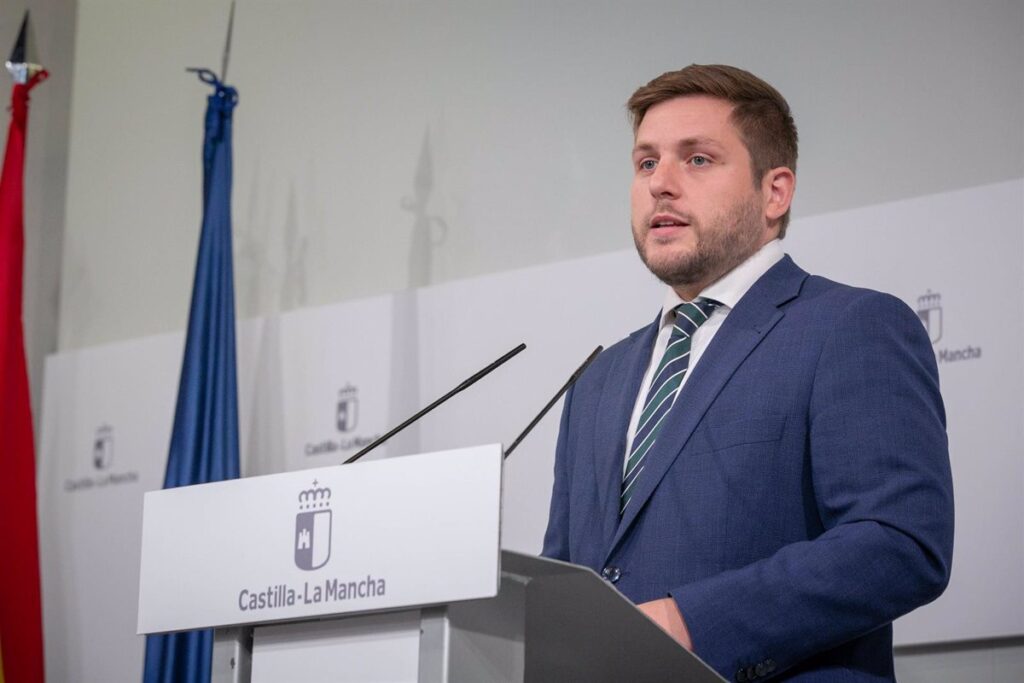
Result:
{"points": [[730, 288]]}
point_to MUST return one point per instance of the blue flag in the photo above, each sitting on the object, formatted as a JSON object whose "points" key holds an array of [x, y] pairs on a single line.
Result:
{"points": [[204, 441]]}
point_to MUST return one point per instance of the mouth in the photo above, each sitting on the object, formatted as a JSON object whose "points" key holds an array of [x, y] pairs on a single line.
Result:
{"points": [[664, 222]]}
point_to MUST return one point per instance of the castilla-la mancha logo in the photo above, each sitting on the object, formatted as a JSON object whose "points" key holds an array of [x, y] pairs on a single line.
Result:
{"points": [[348, 408], [103, 447], [313, 528], [929, 309]]}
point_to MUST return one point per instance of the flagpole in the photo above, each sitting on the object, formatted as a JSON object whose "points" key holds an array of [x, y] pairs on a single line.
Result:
{"points": [[204, 436]]}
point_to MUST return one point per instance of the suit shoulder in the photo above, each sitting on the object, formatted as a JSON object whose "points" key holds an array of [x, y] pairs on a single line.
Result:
{"points": [[841, 299], [619, 353], [626, 343], [843, 312], [624, 346]]}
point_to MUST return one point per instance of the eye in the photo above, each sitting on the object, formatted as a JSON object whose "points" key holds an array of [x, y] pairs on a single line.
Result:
{"points": [[647, 165], [699, 160]]}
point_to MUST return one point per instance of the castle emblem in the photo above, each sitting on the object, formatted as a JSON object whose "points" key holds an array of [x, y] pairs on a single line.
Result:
{"points": [[103, 447], [313, 528], [348, 408], [929, 310]]}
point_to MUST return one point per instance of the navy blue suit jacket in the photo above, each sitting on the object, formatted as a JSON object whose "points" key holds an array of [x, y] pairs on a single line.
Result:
{"points": [[798, 498]]}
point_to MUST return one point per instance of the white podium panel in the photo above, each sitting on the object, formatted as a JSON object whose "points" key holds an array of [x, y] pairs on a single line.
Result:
{"points": [[403, 532], [362, 649]]}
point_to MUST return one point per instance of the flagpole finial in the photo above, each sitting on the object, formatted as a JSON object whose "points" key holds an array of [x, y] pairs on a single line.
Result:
{"points": [[21, 64], [207, 75], [227, 45]]}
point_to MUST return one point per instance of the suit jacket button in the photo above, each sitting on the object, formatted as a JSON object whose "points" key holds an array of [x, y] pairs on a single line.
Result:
{"points": [[751, 673], [611, 574], [761, 669], [741, 676], [769, 665]]}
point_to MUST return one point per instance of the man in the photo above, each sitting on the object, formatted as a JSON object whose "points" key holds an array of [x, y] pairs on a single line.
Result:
{"points": [[764, 469]]}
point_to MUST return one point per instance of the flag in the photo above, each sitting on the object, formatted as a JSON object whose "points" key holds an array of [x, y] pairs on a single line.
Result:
{"points": [[204, 439], [21, 623]]}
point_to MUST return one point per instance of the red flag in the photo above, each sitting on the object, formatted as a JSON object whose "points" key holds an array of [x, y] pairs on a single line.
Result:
{"points": [[21, 621]]}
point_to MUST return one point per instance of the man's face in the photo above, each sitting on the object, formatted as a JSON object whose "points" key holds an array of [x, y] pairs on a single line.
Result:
{"points": [[696, 211]]}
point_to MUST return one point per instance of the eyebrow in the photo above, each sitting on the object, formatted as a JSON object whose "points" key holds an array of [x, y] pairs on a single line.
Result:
{"points": [[685, 143]]}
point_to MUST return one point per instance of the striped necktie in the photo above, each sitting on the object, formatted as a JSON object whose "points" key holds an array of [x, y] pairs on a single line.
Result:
{"points": [[664, 389]]}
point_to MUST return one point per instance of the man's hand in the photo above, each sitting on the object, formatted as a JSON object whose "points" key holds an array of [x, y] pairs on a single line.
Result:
{"points": [[665, 613]]}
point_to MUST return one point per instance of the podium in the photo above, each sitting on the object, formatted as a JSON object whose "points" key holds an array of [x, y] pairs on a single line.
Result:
{"points": [[388, 570]]}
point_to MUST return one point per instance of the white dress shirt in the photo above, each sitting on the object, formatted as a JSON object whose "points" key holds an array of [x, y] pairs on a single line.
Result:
{"points": [[727, 290]]}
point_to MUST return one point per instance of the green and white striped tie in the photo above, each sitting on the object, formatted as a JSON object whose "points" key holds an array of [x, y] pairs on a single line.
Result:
{"points": [[664, 390]]}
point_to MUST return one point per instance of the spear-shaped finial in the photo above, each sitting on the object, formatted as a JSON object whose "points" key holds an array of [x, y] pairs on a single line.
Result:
{"points": [[206, 74], [227, 45], [22, 64]]}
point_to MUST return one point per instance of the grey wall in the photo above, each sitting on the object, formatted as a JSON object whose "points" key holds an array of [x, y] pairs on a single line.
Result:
{"points": [[381, 145], [511, 114]]}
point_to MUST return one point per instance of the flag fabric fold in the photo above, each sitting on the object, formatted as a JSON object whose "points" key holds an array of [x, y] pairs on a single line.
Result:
{"points": [[204, 439], [21, 622]]}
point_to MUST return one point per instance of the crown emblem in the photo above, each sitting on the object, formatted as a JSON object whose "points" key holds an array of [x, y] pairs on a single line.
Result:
{"points": [[314, 497], [929, 300]]}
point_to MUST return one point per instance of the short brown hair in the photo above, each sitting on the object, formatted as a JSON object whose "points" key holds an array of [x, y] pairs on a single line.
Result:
{"points": [[760, 112]]}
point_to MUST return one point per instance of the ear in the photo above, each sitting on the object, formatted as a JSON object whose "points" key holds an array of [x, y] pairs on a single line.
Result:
{"points": [[777, 188]]}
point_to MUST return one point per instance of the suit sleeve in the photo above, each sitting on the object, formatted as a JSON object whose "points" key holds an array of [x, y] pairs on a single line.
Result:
{"points": [[556, 538], [882, 489]]}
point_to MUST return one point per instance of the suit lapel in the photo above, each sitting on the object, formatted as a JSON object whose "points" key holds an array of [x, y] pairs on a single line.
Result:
{"points": [[744, 328], [618, 396]]}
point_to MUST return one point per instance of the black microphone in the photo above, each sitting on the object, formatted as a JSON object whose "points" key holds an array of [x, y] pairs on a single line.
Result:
{"points": [[565, 387], [465, 385]]}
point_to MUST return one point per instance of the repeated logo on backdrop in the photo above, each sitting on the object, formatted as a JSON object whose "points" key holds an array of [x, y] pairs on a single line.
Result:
{"points": [[346, 419], [348, 408], [103, 448], [101, 458], [929, 310]]}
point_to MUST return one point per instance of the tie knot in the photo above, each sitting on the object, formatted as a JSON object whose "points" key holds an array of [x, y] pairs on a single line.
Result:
{"points": [[690, 316]]}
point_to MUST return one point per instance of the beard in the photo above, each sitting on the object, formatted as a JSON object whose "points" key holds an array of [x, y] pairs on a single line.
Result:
{"points": [[723, 242]]}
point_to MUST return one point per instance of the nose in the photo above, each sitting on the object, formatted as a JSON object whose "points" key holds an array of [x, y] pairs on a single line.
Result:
{"points": [[665, 181]]}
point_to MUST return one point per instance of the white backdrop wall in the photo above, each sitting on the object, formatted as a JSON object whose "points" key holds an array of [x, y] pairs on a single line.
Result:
{"points": [[108, 410], [459, 171]]}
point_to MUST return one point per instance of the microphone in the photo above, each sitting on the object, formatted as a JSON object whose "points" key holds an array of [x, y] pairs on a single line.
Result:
{"points": [[465, 385], [565, 387]]}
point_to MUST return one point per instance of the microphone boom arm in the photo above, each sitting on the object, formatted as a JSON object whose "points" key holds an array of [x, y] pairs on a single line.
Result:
{"points": [[465, 385]]}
